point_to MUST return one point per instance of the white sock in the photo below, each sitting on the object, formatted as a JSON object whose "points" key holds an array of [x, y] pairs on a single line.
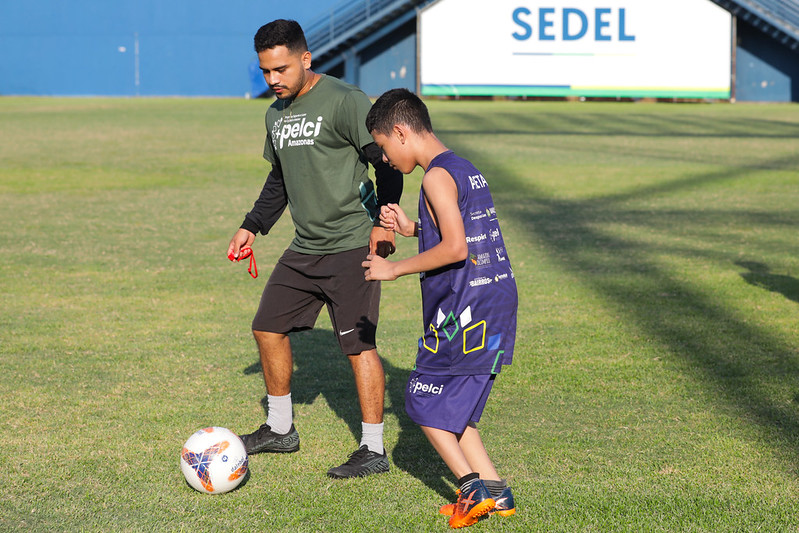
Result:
{"points": [[278, 414], [372, 437]]}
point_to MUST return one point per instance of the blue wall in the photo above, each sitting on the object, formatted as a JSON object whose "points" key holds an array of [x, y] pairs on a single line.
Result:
{"points": [[390, 65], [204, 48], [765, 71], [89, 47]]}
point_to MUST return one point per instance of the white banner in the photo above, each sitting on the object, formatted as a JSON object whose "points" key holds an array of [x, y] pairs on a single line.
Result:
{"points": [[600, 48]]}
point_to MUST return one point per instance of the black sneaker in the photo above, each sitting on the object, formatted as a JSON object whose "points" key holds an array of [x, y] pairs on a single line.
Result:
{"points": [[362, 462], [264, 439]]}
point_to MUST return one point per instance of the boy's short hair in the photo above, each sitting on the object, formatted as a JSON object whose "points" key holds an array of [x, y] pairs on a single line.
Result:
{"points": [[398, 106], [280, 32]]}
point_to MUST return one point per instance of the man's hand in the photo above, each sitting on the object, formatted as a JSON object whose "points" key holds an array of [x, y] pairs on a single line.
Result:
{"points": [[241, 239], [381, 242], [378, 268]]}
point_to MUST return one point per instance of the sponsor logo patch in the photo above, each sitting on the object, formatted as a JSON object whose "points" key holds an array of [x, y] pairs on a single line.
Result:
{"points": [[476, 282], [295, 130], [476, 238], [424, 389], [478, 182], [481, 259]]}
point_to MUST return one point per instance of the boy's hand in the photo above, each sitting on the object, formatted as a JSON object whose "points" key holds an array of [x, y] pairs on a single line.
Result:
{"points": [[378, 268], [394, 218]]}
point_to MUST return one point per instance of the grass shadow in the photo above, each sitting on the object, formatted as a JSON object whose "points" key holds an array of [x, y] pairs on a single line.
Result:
{"points": [[322, 371], [759, 275], [739, 362], [638, 124]]}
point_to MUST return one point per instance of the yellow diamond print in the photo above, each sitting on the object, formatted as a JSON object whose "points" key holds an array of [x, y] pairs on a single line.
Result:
{"points": [[424, 340], [482, 337]]}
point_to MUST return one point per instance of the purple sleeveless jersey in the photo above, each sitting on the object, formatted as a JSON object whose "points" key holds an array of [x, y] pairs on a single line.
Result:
{"points": [[469, 307]]}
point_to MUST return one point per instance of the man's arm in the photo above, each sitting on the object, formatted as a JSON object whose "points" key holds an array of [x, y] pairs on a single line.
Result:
{"points": [[389, 181], [389, 190], [269, 205], [265, 212], [441, 194]]}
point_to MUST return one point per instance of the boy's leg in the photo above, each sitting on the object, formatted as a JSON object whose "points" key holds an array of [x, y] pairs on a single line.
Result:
{"points": [[475, 453], [473, 449], [447, 445], [474, 499]]}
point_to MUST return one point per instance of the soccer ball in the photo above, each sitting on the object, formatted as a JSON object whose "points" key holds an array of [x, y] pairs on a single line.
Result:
{"points": [[214, 460]]}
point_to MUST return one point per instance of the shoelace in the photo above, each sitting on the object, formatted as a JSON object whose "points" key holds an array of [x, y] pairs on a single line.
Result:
{"points": [[356, 455]]}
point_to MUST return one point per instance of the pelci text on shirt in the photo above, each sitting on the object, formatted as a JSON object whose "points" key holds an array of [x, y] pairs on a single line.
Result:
{"points": [[295, 130]]}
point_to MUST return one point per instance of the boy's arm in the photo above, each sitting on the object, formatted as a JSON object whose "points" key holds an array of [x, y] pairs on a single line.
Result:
{"points": [[441, 196], [393, 218]]}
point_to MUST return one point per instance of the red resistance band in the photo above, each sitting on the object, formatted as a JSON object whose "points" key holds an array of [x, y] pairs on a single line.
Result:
{"points": [[244, 253]]}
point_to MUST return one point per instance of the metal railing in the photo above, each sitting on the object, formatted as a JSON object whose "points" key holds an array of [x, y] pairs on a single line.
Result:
{"points": [[346, 16], [780, 15], [785, 10]]}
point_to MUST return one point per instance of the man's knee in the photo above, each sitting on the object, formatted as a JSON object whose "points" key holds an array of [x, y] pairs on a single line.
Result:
{"points": [[268, 334], [269, 339]]}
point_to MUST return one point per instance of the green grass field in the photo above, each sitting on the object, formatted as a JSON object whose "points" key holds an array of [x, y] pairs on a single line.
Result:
{"points": [[656, 378]]}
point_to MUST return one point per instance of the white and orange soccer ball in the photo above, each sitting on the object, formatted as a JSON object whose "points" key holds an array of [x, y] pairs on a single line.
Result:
{"points": [[214, 460]]}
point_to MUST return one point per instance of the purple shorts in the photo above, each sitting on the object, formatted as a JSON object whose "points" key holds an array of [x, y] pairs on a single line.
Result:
{"points": [[447, 402]]}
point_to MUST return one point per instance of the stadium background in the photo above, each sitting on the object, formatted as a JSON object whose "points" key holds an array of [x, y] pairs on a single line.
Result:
{"points": [[203, 48]]}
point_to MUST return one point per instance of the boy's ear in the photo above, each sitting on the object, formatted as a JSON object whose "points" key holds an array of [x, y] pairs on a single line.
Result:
{"points": [[399, 131]]}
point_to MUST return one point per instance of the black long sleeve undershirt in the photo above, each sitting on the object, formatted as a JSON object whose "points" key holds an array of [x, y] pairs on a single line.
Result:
{"points": [[270, 204], [389, 182], [273, 200]]}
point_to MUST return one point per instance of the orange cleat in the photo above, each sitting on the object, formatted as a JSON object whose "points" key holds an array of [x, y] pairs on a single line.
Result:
{"points": [[471, 505], [503, 506]]}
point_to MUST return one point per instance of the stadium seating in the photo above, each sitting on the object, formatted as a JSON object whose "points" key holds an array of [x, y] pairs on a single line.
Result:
{"points": [[353, 21], [777, 18]]}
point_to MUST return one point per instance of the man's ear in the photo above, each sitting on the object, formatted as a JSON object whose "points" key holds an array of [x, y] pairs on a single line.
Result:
{"points": [[306, 60]]}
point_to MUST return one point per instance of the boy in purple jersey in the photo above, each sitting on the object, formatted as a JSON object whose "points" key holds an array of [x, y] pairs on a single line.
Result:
{"points": [[469, 299]]}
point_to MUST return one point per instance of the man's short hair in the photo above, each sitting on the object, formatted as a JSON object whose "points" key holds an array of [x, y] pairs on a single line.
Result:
{"points": [[398, 106], [281, 32]]}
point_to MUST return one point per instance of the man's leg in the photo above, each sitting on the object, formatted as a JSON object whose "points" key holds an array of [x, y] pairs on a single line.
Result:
{"points": [[278, 434], [276, 361], [370, 382], [354, 308]]}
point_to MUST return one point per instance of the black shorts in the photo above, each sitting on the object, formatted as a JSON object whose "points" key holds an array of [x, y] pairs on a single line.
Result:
{"points": [[301, 283]]}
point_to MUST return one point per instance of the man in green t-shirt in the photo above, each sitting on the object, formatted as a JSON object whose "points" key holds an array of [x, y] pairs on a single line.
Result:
{"points": [[318, 145]]}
